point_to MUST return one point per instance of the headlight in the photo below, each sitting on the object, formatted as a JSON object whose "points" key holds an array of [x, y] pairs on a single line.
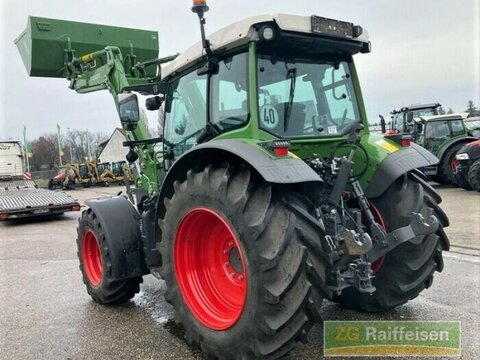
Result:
{"points": [[463, 156]]}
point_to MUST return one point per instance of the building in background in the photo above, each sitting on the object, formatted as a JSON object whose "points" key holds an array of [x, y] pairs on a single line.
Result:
{"points": [[113, 150]]}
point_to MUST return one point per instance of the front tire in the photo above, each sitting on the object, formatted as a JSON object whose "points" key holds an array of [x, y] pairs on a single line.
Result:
{"points": [[447, 165], [461, 180], [408, 269], [474, 175], [96, 264], [256, 303]]}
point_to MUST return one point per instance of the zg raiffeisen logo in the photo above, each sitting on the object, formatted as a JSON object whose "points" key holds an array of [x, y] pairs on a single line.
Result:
{"points": [[392, 338]]}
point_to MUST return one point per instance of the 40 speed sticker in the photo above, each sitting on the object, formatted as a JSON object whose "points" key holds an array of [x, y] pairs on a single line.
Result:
{"points": [[269, 117]]}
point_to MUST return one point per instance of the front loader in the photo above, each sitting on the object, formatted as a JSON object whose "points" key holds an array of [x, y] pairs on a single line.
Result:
{"points": [[264, 195]]}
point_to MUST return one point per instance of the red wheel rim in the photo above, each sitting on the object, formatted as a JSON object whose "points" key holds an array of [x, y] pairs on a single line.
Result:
{"points": [[377, 264], [210, 269], [92, 258], [454, 164]]}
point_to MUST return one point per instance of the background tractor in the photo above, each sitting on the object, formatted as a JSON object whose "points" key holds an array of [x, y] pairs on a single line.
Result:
{"points": [[467, 172], [442, 135], [271, 194]]}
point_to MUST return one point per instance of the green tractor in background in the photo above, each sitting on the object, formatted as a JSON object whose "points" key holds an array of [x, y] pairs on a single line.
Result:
{"points": [[442, 135], [271, 194]]}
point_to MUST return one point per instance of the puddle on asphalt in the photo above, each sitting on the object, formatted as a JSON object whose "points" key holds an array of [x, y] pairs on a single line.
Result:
{"points": [[150, 298]]}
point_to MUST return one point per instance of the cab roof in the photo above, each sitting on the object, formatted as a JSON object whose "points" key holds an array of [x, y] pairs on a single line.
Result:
{"points": [[242, 32], [416, 107], [446, 117]]}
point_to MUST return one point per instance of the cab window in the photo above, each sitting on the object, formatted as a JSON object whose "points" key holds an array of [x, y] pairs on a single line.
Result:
{"points": [[457, 127], [435, 130], [305, 97], [185, 111], [228, 98]]}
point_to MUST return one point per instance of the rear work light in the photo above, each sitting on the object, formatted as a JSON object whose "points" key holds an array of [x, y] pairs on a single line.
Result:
{"points": [[277, 147], [405, 142]]}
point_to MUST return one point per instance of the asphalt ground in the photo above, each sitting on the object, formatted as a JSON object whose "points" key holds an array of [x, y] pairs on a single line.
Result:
{"points": [[46, 313]]}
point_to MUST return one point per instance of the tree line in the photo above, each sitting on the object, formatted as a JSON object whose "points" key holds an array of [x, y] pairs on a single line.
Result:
{"points": [[77, 145], [471, 110]]}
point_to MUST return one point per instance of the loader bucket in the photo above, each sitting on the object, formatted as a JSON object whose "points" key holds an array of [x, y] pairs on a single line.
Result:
{"points": [[45, 44]]}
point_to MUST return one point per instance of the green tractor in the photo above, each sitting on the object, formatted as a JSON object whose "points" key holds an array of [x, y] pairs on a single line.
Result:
{"points": [[442, 135], [271, 194]]}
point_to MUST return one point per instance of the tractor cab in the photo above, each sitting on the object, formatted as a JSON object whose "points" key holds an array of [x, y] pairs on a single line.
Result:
{"points": [[438, 130], [270, 77], [408, 119]]}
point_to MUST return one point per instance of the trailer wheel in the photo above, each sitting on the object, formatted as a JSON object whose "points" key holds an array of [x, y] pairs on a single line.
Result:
{"points": [[95, 264], [236, 270], [446, 167], [408, 269], [474, 175]]}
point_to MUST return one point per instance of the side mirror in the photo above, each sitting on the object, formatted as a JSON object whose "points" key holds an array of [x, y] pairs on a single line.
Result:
{"points": [[128, 111]]}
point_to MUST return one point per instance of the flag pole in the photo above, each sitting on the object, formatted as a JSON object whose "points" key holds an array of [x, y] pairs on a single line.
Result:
{"points": [[59, 145], [25, 147]]}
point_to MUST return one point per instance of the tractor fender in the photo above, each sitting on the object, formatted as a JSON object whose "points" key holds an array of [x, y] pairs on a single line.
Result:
{"points": [[120, 222], [396, 164], [464, 140], [286, 170], [472, 149]]}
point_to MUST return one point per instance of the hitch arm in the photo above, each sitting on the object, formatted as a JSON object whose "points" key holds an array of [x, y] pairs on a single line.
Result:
{"points": [[418, 227]]}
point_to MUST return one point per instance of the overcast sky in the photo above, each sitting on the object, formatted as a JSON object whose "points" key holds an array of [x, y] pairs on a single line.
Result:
{"points": [[423, 51]]}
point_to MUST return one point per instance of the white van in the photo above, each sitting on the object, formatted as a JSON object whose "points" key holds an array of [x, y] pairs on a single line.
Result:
{"points": [[11, 159]]}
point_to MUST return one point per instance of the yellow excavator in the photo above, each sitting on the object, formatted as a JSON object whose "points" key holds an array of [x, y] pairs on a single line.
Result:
{"points": [[122, 172], [104, 173]]}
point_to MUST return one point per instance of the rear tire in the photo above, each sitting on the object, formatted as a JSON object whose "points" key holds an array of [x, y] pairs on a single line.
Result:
{"points": [[445, 168], [280, 304], [96, 264], [408, 269], [474, 175]]}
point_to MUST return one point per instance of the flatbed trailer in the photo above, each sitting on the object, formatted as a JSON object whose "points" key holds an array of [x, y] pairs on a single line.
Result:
{"points": [[23, 198]]}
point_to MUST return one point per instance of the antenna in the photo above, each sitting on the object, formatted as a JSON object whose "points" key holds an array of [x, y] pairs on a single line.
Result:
{"points": [[200, 7]]}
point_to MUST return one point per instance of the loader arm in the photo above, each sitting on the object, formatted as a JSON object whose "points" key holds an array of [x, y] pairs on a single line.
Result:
{"points": [[96, 57], [85, 77]]}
